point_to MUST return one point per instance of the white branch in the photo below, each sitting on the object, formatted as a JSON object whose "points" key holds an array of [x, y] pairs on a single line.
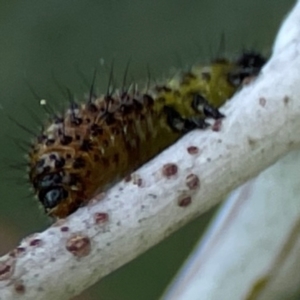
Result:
{"points": [[262, 124], [251, 251]]}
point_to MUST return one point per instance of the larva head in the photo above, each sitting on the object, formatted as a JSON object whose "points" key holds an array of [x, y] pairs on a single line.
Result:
{"points": [[57, 189], [59, 163]]}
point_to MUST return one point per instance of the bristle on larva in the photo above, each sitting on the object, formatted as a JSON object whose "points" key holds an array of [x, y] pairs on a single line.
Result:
{"points": [[96, 143]]}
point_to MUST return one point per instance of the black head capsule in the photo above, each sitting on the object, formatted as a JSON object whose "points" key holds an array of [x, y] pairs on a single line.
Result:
{"points": [[49, 180], [248, 64], [51, 197], [252, 62]]}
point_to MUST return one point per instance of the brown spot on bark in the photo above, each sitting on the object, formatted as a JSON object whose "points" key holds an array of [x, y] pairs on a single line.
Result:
{"points": [[169, 170], [7, 268], [252, 142], [262, 101], [101, 218], [137, 180], [192, 181], [64, 229], [286, 100], [19, 287], [17, 251], [186, 201], [193, 150], [79, 245], [217, 125], [35, 242], [128, 178]]}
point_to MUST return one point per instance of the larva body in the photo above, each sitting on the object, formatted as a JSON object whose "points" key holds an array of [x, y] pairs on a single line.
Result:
{"points": [[93, 144]]}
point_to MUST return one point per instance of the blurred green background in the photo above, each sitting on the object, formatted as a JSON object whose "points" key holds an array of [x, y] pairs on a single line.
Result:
{"points": [[42, 38]]}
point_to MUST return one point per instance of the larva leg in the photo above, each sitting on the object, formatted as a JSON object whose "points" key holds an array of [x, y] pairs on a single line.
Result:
{"points": [[183, 125], [200, 104]]}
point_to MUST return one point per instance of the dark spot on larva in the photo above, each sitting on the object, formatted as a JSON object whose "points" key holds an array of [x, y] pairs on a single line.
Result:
{"points": [[47, 169], [187, 77], [101, 218], [206, 76], [76, 121], [52, 156], [96, 157], [161, 88], [86, 145], [105, 161], [193, 150], [116, 158], [105, 143], [262, 101], [185, 201], [160, 100], [79, 163], [96, 130], [50, 142], [217, 125], [52, 259], [59, 163], [110, 119], [40, 163], [41, 138], [19, 287], [208, 159], [286, 100], [148, 100], [115, 131], [35, 242], [64, 229], [7, 268], [169, 170], [192, 181], [66, 140], [79, 245], [138, 106], [92, 107]]}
